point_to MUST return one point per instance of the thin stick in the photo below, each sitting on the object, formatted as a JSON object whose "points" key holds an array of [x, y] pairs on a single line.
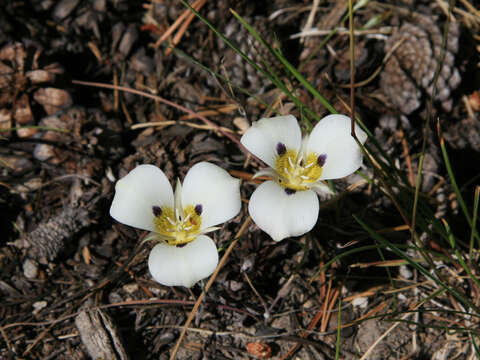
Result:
{"points": [[389, 330], [153, 124], [426, 128], [384, 30], [471, 8], [324, 307], [328, 313], [222, 262], [411, 176], [176, 24], [7, 341], [319, 316], [311, 17], [352, 67], [377, 71], [167, 102], [178, 36], [116, 100]]}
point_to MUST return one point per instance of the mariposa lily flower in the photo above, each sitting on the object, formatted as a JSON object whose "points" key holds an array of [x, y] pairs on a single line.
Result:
{"points": [[179, 221], [288, 204]]}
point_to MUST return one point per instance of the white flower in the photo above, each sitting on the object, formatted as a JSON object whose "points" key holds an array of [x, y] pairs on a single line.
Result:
{"points": [[145, 199], [287, 206]]}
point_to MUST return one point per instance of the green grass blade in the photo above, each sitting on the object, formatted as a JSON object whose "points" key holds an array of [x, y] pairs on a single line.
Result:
{"points": [[358, 5], [456, 189], [338, 257], [475, 345], [394, 248], [183, 55], [474, 219], [287, 64], [273, 78], [459, 255]]}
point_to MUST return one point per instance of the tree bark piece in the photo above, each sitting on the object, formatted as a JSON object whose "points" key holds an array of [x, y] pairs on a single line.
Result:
{"points": [[100, 335], [48, 239]]}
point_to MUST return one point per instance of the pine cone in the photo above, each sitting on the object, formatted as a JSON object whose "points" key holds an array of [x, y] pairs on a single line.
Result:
{"points": [[175, 150], [464, 135], [25, 84], [219, 55], [240, 72], [411, 69]]}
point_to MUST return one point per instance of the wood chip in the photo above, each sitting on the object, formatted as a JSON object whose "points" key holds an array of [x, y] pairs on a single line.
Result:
{"points": [[99, 335]]}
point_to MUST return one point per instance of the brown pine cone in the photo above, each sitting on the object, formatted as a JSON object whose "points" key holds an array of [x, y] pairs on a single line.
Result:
{"points": [[464, 134], [410, 70], [25, 84], [217, 54], [240, 72], [175, 149]]}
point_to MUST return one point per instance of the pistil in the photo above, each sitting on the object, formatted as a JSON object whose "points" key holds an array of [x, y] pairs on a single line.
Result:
{"points": [[298, 171], [179, 225]]}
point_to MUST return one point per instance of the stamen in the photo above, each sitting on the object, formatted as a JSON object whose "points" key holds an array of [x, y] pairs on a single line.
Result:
{"points": [[304, 177], [199, 209], [300, 159], [290, 162], [289, 191], [176, 225], [281, 149], [177, 201], [309, 165], [321, 159], [157, 211]]}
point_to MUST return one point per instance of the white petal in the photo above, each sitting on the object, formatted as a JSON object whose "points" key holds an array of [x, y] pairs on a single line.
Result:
{"points": [[136, 193], [331, 136], [281, 215], [212, 187], [183, 266], [262, 137]]}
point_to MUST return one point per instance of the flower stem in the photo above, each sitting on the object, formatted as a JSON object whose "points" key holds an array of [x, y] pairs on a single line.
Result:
{"points": [[222, 262]]}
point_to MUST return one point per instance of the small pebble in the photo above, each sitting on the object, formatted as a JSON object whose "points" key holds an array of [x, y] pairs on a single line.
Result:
{"points": [[39, 305], [30, 269], [308, 304], [361, 302], [130, 288], [405, 272], [235, 285], [242, 124], [248, 263]]}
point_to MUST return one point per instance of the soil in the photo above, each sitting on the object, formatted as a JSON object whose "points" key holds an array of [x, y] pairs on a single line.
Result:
{"points": [[74, 283]]}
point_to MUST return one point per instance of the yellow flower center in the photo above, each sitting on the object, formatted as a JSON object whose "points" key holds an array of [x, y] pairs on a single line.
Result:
{"points": [[175, 228], [296, 172]]}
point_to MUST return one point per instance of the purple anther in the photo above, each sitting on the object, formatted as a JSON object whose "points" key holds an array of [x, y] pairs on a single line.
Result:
{"points": [[157, 211], [321, 159], [281, 149], [198, 209], [289, 191]]}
